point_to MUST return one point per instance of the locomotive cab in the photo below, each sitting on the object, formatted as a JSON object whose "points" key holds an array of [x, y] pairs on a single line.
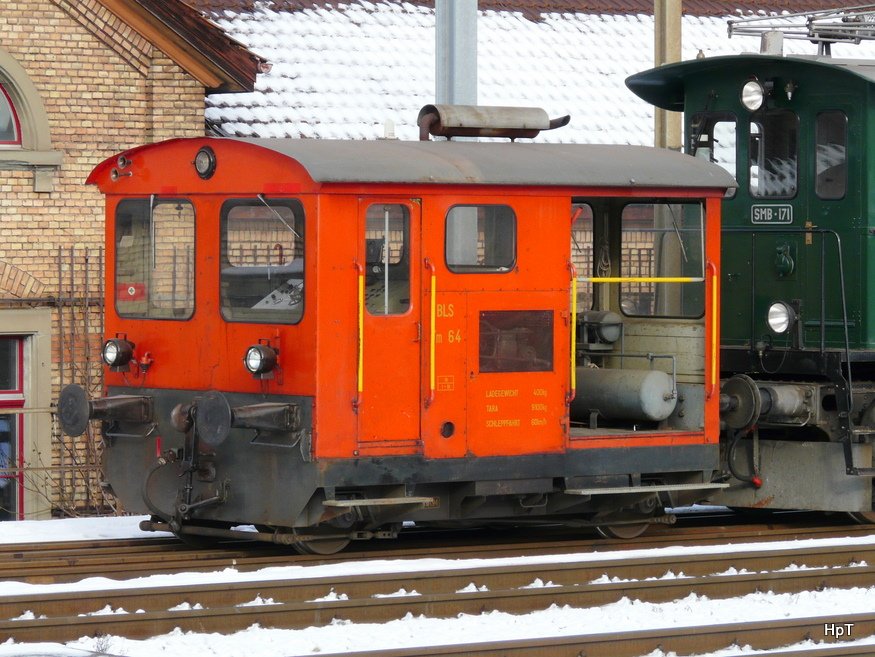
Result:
{"points": [[324, 339], [798, 336]]}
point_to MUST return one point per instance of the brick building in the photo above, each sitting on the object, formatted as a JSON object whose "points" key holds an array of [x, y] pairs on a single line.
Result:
{"points": [[79, 81]]}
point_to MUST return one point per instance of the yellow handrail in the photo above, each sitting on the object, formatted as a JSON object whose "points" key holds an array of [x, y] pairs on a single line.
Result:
{"points": [[361, 327], [573, 391], [643, 279], [432, 333], [715, 346]]}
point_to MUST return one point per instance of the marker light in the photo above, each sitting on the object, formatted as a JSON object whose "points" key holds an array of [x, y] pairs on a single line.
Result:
{"points": [[752, 95], [781, 317], [205, 162], [260, 360], [117, 353]]}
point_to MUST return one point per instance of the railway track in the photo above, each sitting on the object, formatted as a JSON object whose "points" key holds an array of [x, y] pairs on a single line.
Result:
{"points": [[516, 588], [44, 563]]}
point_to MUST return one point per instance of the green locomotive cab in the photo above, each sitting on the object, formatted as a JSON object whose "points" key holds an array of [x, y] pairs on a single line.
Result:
{"points": [[798, 264]]}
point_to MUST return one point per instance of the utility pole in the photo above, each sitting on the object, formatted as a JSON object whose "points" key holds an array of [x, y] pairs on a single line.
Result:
{"points": [[667, 49], [456, 52]]}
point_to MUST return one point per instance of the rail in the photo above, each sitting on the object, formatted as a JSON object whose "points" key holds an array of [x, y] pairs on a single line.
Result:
{"points": [[446, 592]]}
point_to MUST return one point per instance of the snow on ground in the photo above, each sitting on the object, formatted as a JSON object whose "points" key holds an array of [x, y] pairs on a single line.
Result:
{"points": [[342, 636]]}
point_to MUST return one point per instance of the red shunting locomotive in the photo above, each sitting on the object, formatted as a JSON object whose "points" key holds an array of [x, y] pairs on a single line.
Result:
{"points": [[327, 338]]}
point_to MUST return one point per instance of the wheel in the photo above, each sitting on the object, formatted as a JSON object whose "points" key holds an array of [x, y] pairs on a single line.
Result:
{"points": [[196, 541], [864, 517], [624, 532], [319, 546]]}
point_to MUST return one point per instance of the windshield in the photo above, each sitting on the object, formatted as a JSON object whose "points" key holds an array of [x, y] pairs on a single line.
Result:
{"points": [[154, 258], [262, 277]]}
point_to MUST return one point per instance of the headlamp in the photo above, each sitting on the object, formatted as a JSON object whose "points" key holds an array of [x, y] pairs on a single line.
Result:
{"points": [[752, 95], [781, 317], [205, 162], [117, 354], [260, 360]]}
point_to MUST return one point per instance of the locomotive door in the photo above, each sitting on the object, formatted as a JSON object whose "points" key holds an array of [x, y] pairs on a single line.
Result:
{"points": [[390, 320]]}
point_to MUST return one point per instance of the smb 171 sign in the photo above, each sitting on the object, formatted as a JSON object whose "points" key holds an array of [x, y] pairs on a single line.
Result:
{"points": [[771, 214]]}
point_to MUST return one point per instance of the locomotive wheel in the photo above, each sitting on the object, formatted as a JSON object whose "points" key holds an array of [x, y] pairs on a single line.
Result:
{"points": [[624, 532], [321, 546], [863, 517]]}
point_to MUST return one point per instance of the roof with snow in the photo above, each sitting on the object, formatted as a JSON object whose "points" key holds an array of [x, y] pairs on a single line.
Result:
{"points": [[357, 69]]}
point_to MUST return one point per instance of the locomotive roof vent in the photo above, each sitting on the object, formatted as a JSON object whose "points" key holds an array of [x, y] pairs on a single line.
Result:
{"points": [[485, 121]]}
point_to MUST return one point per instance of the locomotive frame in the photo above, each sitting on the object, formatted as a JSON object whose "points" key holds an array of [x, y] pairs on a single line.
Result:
{"points": [[410, 345]]}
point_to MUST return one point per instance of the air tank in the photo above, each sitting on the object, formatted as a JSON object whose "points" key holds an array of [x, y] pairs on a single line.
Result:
{"points": [[637, 395]]}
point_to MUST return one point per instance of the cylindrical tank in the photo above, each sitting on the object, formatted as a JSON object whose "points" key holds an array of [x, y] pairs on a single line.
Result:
{"points": [[623, 394]]}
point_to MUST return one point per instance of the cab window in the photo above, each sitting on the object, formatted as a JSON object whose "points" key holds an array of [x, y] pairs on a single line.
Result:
{"points": [[582, 252], [262, 261], [659, 241], [387, 279], [481, 239], [154, 258], [831, 158], [774, 157], [713, 138]]}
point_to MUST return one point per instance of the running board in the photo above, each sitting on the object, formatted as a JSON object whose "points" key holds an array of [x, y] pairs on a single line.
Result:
{"points": [[382, 501], [637, 490]]}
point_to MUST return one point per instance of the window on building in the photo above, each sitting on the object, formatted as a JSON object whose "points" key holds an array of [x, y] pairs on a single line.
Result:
{"points": [[262, 277], [10, 130], [11, 429]]}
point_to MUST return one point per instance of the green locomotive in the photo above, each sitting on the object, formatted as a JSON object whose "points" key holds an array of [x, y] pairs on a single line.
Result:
{"points": [[798, 265]]}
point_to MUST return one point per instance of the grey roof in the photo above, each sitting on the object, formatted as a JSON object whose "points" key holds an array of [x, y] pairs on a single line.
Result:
{"points": [[496, 163]]}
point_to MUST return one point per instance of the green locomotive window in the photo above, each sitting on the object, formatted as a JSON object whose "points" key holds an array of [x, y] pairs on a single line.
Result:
{"points": [[262, 261], [662, 240], [154, 258], [387, 244], [714, 139], [774, 157], [481, 239], [831, 168]]}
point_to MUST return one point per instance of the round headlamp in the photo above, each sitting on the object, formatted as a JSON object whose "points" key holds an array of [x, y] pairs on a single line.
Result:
{"points": [[781, 317], [260, 359], [752, 95], [205, 162], [117, 353]]}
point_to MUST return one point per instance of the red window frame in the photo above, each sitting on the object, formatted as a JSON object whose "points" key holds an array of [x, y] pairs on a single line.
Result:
{"points": [[13, 398], [15, 121]]}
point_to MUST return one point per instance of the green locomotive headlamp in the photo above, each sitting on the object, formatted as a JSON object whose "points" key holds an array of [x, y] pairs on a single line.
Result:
{"points": [[752, 95], [781, 317]]}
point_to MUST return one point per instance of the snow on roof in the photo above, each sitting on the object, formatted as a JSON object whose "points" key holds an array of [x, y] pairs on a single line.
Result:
{"points": [[345, 71]]}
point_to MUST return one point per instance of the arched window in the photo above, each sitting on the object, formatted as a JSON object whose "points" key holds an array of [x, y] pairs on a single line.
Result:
{"points": [[25, 135], [10, 128]]}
